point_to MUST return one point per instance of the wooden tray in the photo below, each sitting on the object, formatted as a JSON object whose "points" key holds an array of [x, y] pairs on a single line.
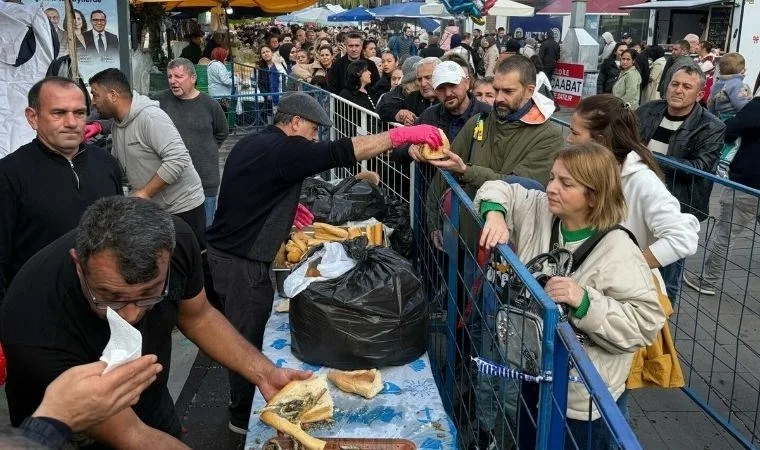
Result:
{"points": [[286, 443]]}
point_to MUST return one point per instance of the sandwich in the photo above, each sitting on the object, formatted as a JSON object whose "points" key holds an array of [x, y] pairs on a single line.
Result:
{"points": [[367, 383], [298, 403], [431, 154]]}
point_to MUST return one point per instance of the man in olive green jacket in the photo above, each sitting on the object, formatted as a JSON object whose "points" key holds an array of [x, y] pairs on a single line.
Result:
{"points": [[515, 139]]}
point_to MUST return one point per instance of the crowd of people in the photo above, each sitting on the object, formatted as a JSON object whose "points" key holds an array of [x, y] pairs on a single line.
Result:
{"points": [[152, 231]]}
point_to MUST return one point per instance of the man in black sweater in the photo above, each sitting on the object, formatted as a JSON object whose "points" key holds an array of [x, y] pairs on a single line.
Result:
{"points": [[261, 185], [336, 76], [549, 54], [46, 185]]}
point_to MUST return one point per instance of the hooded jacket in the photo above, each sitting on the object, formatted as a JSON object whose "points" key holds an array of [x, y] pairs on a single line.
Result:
{"points": [[697, 143], [624, 312], [609, 46], [628, 87], [729, 95], [525, 147], [608, 75], [654, 214], [147, 143]]}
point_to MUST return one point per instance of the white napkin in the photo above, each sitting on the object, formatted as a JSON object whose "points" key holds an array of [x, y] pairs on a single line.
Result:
{"points": [[125, 344]]}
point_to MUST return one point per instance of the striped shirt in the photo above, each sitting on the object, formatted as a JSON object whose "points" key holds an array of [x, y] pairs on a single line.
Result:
{"points": [[661, 138]]}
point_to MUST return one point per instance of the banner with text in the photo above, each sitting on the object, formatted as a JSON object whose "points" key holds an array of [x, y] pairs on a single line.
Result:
{"points": [[567, 84], [96, 31]]}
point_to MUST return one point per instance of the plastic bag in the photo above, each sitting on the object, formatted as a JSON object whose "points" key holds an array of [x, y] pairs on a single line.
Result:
{"points": [[349, 200], [332, 261], [397, 217], [374, 315]]}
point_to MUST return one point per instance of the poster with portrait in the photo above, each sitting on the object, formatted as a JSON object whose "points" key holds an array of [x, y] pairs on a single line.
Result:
{"points": [[96, 30]]}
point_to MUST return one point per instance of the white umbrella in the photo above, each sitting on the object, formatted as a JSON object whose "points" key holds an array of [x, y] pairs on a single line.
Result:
{"points": [[318, 15], [506, 8]]}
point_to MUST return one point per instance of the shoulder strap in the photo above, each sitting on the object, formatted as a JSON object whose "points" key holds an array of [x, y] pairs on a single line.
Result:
{"points": [[582, 252]]}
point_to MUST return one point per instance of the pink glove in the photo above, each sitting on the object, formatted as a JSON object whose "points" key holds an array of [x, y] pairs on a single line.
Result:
{"points": [[417, 134], [303, 218], [91, 130]]}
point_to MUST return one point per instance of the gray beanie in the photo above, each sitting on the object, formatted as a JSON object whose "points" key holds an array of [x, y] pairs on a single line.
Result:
{"points": [[408, 69]]}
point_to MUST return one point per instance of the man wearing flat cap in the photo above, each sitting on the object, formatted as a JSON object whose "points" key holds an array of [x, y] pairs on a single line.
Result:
{"points": [[257, 202]]}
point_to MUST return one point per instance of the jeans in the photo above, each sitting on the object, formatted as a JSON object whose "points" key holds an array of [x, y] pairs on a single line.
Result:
{"points": [[210, 207], [246, 291], [527, 183], [672, 274], [738, 215], [593, 435]]}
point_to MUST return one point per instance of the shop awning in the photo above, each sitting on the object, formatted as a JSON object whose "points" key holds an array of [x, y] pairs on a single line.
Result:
{"points": [[681, 4], [269, 6], [596, 7]]}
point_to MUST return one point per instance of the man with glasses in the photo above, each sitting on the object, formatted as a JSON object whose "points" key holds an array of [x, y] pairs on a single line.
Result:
{"points": [[46, 185], [128, 255], [98, 40]]}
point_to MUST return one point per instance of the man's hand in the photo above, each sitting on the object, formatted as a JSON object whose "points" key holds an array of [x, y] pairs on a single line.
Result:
{"points": [[453, 164], [140, 194], [277, 378], [415, 154], [406, 117], [437, 237], [495, 230], [82, 396]]}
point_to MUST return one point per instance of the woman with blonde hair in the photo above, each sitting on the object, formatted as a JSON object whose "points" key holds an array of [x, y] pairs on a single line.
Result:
{"points": [[611, 296]]}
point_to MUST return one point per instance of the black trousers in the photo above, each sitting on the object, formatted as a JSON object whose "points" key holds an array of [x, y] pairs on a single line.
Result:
{"points": [[196, 218], [245, 289]]}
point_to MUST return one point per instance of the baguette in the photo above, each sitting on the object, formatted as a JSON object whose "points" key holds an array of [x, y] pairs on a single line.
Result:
{"points": [[280, 424], [367, 383], [295, 255], [354, 232], [378, 227], [300, 239], [315, 242], [329, 232]]}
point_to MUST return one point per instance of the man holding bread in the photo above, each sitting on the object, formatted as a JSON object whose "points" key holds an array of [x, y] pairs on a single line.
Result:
{"points": [[258, 198]]}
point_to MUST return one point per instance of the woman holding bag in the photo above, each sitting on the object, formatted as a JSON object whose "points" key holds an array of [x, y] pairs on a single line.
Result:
{"points": [[611, 295]]}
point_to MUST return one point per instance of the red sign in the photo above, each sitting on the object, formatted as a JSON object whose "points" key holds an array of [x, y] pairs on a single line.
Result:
{"points": [[567, 84]]}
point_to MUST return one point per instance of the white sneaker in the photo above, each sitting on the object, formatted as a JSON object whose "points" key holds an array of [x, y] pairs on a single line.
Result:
{"points": [[700, 285]]}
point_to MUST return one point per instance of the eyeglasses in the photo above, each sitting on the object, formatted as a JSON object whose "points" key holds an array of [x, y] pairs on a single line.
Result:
{"points": [[142, 303]]}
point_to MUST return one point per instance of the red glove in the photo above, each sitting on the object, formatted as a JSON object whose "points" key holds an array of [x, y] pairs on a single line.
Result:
{"points": [[304, 217], [417, 134], [91, 130]]}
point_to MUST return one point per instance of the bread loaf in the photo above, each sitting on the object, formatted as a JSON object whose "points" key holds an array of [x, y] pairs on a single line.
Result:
{"points": [[431, 154], [329, 232], [367, 383]]}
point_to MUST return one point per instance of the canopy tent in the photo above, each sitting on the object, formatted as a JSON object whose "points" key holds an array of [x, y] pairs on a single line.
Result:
{"points": [[317, 14], [408, 10], [358, 14], [595, 7], [506, 8], [681, 4], [267, 6]]}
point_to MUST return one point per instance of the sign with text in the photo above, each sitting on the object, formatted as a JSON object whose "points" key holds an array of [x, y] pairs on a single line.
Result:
{"points": [[567, 84]]}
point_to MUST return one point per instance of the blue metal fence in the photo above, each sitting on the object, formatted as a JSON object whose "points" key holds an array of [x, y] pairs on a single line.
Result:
{"points": [[717, 313]]}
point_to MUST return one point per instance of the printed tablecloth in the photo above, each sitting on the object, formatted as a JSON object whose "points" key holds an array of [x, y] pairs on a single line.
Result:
{"points": [[408, 407]]}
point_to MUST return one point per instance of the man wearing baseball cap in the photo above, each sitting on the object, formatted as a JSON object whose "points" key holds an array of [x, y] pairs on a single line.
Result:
{"points": [[257, 202], [627, 39]]}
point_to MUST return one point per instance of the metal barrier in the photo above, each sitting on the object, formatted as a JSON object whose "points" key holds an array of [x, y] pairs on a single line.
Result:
{"points": [[714, 332]]}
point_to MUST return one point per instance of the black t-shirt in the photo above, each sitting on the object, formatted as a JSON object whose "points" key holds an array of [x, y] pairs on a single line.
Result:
{"points": [[48, 326]]}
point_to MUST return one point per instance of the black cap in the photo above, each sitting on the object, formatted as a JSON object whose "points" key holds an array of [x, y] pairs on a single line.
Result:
{"points": [[305, 106], [626, 35]]}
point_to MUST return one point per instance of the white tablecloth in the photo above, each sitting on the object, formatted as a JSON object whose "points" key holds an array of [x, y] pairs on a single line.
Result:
{"points": [[409, 406]]}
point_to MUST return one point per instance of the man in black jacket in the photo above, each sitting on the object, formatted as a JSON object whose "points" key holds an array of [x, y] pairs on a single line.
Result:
{"points": [[398, 105], [46, 185], [549, 54], [684, 131], [336, 76], [261, 184], [432, 49]]}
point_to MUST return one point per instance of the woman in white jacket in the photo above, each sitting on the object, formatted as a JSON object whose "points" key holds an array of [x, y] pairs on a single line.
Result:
{"points": [[664, 233], [611, 295]]}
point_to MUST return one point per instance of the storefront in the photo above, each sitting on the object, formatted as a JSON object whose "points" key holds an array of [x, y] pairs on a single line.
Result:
{"points": [[604, 16]]}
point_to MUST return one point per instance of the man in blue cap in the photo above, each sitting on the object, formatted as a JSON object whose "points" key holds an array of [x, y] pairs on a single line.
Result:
{"points": [[257, 202]]}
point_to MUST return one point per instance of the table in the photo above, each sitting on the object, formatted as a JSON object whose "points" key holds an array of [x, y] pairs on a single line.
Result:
{"points": [[408, 407]]}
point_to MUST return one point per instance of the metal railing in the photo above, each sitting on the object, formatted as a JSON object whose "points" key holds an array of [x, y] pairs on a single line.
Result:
{"points": [[714, 326]]}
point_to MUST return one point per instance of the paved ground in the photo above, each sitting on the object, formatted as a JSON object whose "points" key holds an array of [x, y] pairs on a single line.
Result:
{"points": [[662, 419]]}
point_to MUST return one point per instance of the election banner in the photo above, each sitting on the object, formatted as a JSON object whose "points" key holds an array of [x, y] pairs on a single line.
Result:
{"points": [[96, 32], [567, 84]]}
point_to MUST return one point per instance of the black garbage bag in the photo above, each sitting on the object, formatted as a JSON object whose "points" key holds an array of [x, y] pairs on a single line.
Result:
{"points": [[355, 199], [350, 200], [397, 217], [374, 315], [316, 194]]}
